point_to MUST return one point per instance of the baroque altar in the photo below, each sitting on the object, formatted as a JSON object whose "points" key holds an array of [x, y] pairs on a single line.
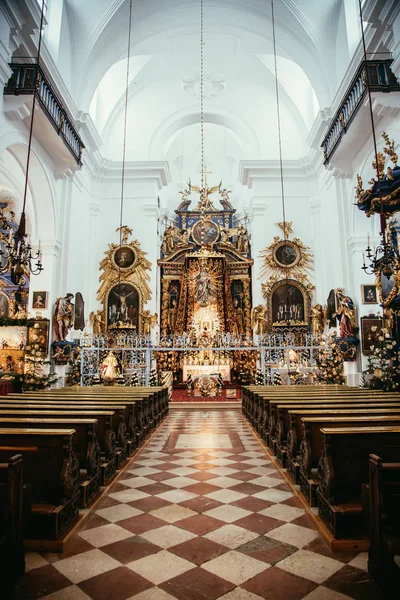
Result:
{"points": [[205, 274]]}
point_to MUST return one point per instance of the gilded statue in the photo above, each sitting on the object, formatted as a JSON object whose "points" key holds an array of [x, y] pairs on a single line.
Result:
{"points": [[169, 241], [242, 240], [259, 322], [96, 321], [125, 233], [318, 314], [148, 321], [238, 317], [63, 317], [172, 314]]}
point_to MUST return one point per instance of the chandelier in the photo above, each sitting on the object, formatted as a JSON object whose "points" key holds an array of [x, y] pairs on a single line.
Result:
{"points": [[384, 259], [16, 252]]}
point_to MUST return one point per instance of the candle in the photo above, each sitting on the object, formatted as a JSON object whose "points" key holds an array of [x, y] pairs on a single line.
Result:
{"points": [[368, 240]]}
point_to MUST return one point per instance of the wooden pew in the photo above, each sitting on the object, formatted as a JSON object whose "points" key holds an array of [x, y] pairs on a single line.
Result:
{"points": [[274, 435], [289, 428], [384, 522], [344, 468], [12, 556], [86, 447], [118, 419], [104, 431], [51, 470], [311, 444], [137, 411]]}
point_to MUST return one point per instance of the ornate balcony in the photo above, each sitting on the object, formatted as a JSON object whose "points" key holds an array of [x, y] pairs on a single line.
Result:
{"points": [[29, 79], [381, 79]]}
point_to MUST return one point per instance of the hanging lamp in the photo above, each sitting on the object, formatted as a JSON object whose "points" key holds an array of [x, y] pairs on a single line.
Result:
{"points": [[17, 252]]}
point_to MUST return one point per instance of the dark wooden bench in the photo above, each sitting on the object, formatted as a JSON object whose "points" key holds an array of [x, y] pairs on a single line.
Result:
{"points": [[51, 471], [86, 447], [384, 522], [118, 419], [126, 427], [289, 428], [104, 431], [311, 444], [343, 469], [12, 556]]}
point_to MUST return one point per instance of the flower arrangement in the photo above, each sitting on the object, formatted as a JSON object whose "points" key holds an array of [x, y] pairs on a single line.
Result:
{"points": [[382, 370], [330, 362]]}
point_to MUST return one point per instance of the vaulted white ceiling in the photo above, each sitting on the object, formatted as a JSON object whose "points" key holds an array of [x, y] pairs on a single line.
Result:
{"points": [[238, 63]]}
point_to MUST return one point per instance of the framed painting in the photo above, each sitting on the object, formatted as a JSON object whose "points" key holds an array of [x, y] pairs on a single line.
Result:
{"points": [[38, 336], [123, 307], [369, 294], [39, 300], [371, 327], [286, 254], [288, 305], [124, 257]]}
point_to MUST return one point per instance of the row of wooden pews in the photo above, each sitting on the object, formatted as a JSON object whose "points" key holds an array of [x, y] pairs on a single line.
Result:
{"points": [[323, 435], [72, 442]]}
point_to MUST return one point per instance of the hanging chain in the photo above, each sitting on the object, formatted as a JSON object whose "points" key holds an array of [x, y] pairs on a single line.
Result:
{"points": [[121, 213], [201, 94], [285, 235]]}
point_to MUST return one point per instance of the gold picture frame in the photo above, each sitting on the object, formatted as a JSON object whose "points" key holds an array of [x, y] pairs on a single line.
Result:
{"points": [[286, 254]]}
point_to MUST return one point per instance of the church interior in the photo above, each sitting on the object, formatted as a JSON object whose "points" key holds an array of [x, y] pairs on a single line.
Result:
{"points": [[199, 300]]}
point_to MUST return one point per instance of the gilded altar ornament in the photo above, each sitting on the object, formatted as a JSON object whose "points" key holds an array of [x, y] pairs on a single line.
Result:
{"points": [[96, 321], [383, 195], [149, 321], [286, 259], [259, 321], [318, 317], [124, 288]]}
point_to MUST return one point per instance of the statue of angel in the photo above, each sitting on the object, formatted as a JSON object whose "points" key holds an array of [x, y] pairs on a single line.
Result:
{"points": [[96, 321], [318, 316], [259, 321]]}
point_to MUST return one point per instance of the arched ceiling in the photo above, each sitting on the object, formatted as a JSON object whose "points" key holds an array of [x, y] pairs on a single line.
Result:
{"points": [[165, 62]]}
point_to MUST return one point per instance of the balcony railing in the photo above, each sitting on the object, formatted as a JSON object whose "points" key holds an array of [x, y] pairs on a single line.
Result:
{"points": [[381, 79], [29, 79]]}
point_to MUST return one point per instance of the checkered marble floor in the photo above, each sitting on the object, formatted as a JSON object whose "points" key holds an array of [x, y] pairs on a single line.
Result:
{"points": [[200, 513]]}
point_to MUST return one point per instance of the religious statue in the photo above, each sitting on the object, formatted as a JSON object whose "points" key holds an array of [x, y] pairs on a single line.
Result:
{"points": [[148, 321], [96, 321], [204, 287], [110, 368], [172, 313], [226, 234], [259, 322], [125, 233], [238, 317], [242, 241], [183, 238], [169, 240], [346, 314], [317, 314], [63, 317]]}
